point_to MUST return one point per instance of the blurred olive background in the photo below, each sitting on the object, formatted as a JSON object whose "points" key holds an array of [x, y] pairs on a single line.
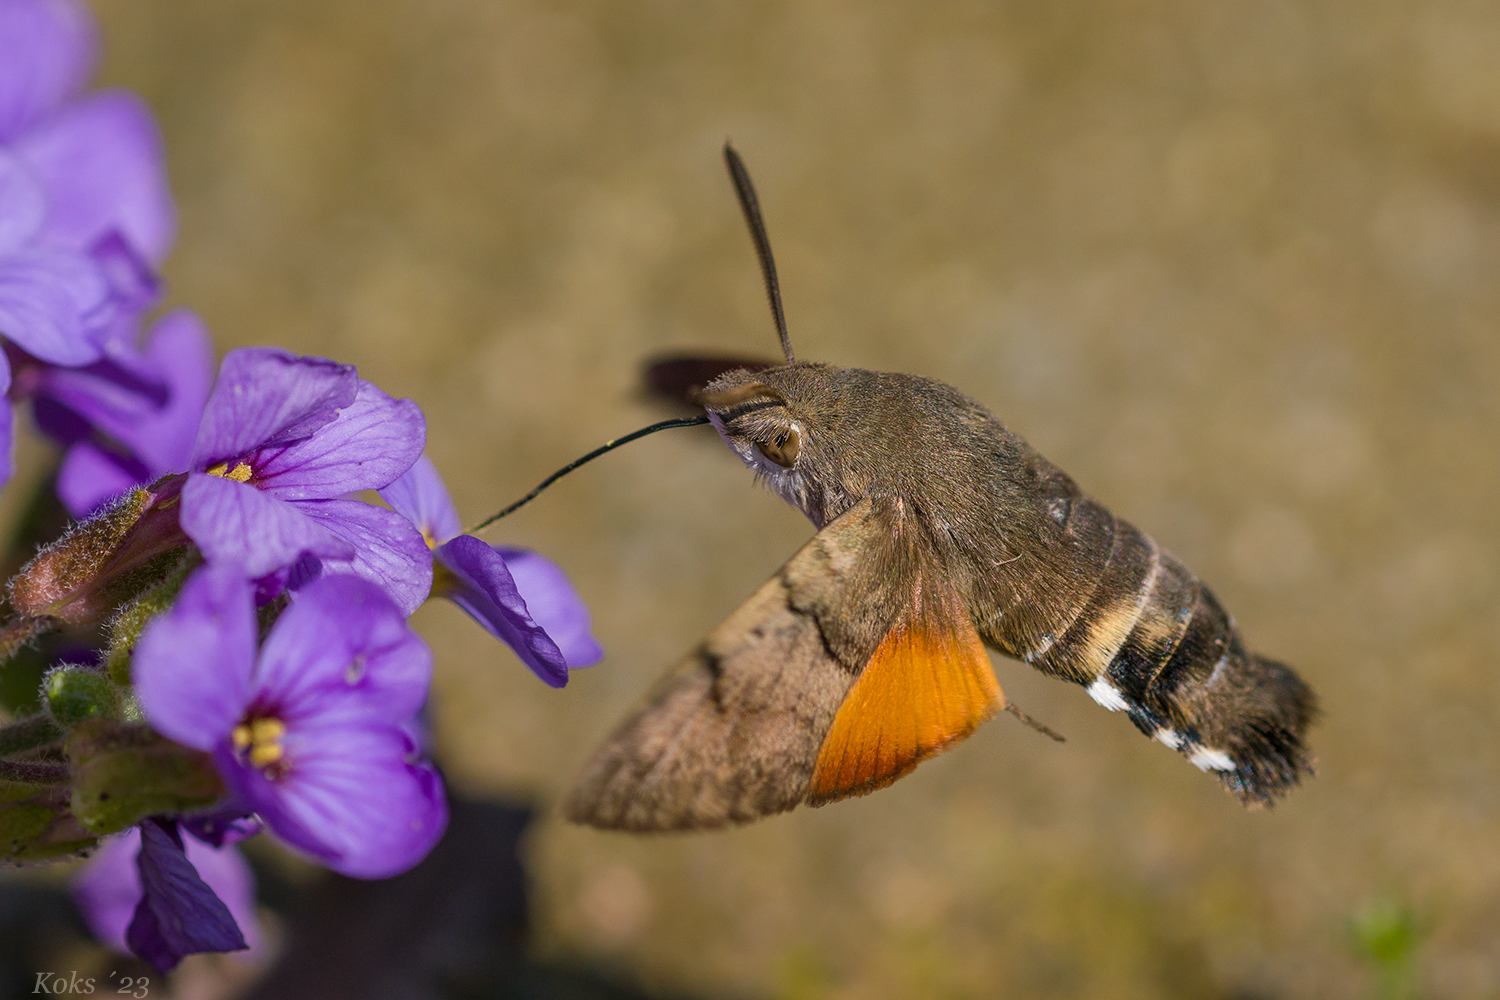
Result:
{"points": [[1230, 265]]}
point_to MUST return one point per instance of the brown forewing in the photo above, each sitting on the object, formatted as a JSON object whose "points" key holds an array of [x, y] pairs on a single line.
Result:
{"points": [[732, 733]]}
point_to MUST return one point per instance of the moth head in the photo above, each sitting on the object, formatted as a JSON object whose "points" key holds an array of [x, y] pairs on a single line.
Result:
{"points": [[771, 420], [756, 422]]}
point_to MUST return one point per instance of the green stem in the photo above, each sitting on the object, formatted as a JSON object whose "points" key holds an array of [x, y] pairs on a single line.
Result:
{"points": [[34, 774], [28, 734]]}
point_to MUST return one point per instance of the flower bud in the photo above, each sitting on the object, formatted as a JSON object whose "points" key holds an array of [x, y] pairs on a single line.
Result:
{"points": [[102, 562], [76, 693], [123, 772]]}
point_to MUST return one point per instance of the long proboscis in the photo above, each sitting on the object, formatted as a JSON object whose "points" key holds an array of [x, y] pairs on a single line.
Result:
{"points": [[606, 447]]}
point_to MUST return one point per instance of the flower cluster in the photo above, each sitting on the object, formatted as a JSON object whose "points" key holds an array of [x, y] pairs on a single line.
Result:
{"points": [[246, 662], [85, 217]]}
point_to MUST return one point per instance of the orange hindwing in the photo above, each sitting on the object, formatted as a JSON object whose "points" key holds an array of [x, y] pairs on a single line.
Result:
{"points": [[927, 686]]}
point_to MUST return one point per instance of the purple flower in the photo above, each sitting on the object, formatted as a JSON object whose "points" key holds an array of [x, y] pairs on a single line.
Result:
{"points": [[63, 304], [97, 159], [47, 53], [229, 822], [85, 211], [282, 440], [311, 734], [521, 598], [196, 897], [129, 419]]}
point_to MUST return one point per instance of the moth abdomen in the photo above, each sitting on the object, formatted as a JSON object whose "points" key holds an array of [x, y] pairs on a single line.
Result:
{"points": [[1080, 642], [1166, 600], [1272, 709], [1208, 641], [1149, 638]]}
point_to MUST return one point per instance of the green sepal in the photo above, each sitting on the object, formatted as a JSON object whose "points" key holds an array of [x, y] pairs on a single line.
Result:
{"points": [[15, 791], [22, 824], [40, 828], [77, 693], [123, 772], [57, 849], [126, 628]]}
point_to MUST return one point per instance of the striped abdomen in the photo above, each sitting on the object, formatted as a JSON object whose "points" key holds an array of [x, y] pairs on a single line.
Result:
{"points": [[1148, 638]]}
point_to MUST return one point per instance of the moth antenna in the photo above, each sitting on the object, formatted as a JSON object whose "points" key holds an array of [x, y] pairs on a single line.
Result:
{"points": [[1013, 710], [751, 207], [607, 446]]}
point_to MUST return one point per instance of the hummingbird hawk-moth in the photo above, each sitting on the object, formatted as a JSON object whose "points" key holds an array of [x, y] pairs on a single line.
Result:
{"points": [[940, 532]]}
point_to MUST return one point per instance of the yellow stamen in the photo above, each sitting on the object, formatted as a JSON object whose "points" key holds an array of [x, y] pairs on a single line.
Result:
{"points": [[240, 473], [267, 730], [262, 739], [264, 754]]}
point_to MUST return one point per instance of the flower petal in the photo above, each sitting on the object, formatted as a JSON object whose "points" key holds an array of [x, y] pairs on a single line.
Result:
{"points": [[238, 524], [266, 397], [341, 649], [372, 441], [147, 405], [482, 585], [229, 875], [178, 913], [554, 605], [102, 397], [180, 353], [421, 497], [230, 822], [108, 889], [388, 550], [192, 665], [134, 285], [23, 204], [102, 163], [351, 797], [7, 421], [46, 301], [47, 51], [90, 477]]}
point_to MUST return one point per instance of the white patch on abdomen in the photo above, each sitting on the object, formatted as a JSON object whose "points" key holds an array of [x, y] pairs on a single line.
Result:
{"points": [[1169, 737], [1108, 695], [1206, 758]]}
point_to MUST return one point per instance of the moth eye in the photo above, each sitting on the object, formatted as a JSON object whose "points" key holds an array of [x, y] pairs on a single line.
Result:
{"points": [[782, 449]]}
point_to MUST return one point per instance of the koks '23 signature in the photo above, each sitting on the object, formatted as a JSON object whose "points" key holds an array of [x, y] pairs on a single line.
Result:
{"points": [[56, 984]]}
